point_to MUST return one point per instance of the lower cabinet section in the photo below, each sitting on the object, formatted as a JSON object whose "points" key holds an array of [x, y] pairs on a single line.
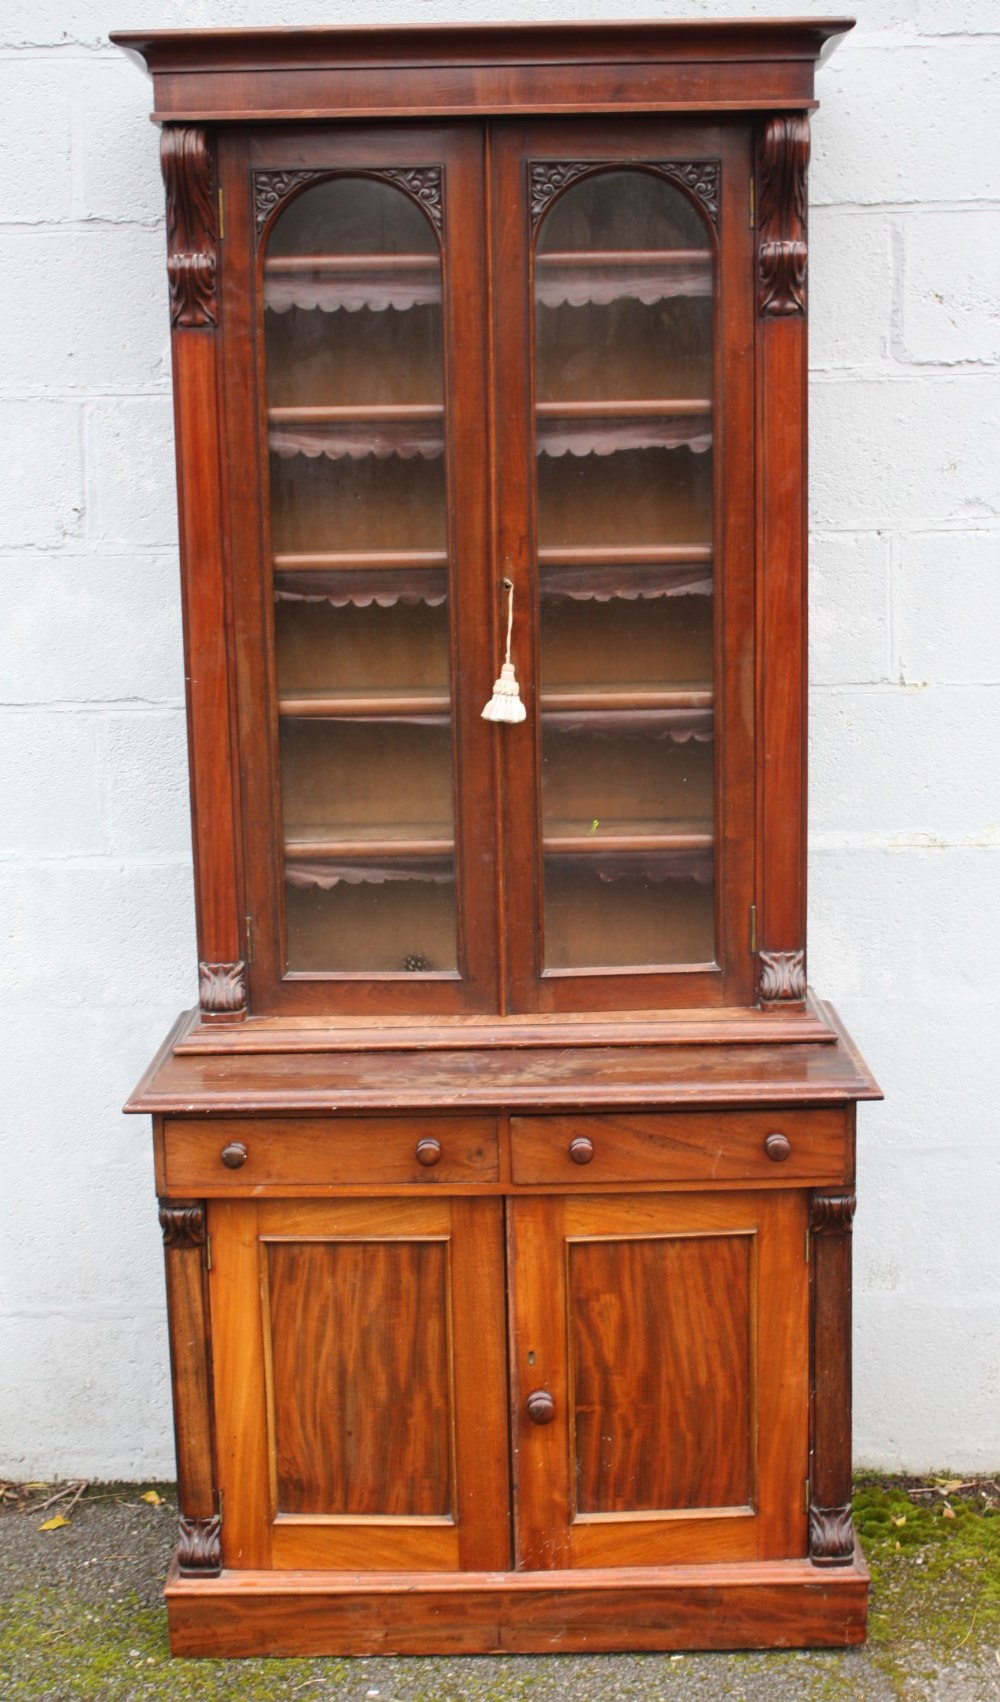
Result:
{"points": [[549, 1420]]}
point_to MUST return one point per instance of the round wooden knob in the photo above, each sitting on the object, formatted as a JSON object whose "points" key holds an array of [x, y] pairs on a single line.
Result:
{"points": [[581, 1149], [540, 1407], [428, 1151], [234, 1155], [778, 1147]]}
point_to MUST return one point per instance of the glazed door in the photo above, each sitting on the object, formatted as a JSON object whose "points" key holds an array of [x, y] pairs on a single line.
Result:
{"points": [[659, 1378], [361, 558], [360, 1384], [625, 416]]}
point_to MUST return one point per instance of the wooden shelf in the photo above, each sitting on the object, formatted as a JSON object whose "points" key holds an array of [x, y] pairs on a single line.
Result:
{"points": [[417, 428], [353, 561], [597, 277], [576, 838], [334, 282], [584, 574], [420, 706], [369, 857], [608, 698], [404, 429], [422, 839], [348, 282], [679, 714], [609, 427], [384, 577], [612, 713], [601, 575]]}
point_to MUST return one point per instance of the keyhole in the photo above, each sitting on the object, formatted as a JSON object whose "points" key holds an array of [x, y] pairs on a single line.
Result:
{"points": [[531, 1359]]}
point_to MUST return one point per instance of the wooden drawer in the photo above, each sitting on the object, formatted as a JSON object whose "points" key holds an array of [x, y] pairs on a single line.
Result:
{"points": [[680, 1146], [299, 1152]]}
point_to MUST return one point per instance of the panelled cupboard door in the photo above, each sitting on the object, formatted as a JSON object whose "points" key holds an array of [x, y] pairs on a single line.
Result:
{"points": [[360, 1384], [624, 339], [357, 423], [660, 1378]]}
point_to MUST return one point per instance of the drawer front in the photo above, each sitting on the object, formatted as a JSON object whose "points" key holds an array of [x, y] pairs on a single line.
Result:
{"points": [[679, 1146], [240, 1155]]}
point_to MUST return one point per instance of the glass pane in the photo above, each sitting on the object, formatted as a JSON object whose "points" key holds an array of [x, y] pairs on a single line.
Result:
{"points": [[624, 293], [352, 292]]}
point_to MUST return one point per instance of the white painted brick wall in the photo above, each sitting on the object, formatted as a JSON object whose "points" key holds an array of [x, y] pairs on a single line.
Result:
{"points": [[96, 928]]}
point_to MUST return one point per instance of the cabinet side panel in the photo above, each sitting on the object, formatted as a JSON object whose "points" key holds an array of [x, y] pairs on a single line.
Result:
{"points": [[192, 244], [782, 353]]}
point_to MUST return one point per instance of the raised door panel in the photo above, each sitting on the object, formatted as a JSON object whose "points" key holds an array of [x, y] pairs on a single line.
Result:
{"points": [[354, 276], [625, 409], [671, 1337], [361, 1384]]}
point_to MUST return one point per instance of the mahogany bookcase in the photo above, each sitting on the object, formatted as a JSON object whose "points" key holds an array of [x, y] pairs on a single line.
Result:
{"points": [[506, 1166]]}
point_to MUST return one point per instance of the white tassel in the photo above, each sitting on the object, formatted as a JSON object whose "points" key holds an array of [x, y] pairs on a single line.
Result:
{"points": [[505, 704]]}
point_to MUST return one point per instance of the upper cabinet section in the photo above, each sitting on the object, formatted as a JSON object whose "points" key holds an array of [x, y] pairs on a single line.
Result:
{"points": [[489, 345]]}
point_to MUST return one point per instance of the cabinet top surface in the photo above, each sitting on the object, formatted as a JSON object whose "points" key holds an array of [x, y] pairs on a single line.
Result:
{"points": [[545, 1078], [231, 73]]}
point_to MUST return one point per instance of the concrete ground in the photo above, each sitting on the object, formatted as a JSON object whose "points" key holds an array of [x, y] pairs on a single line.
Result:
{"points": [[81, 1618]]}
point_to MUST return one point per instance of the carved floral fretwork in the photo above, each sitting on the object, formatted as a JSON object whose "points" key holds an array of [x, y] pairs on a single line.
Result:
{"points": [[831, 1214], [191, 226], [781, 215], [199, 1547], [547, 180], [782, 976], [700, 177], [270, 187], [831, 1535], [183, 1226], [223, 988], [425, 183]]}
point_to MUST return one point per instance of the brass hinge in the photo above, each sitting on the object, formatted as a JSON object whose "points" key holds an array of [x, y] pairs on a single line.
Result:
{"points": [[753, 930], [805, 1496], [222, 1505], [753, 202], [208, 1252], [808, 1244], [222, 217], [248, 930]]}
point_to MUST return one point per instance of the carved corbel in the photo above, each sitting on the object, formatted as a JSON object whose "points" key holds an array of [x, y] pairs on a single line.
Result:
{"points": [[782, 977], [183, 1224], [832, 1214], [192, 228], [199, 1547], [222, 990], [782, 162]]}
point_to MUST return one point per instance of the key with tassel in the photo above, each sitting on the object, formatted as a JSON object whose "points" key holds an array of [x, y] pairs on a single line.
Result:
{"points": [[505, 704]]}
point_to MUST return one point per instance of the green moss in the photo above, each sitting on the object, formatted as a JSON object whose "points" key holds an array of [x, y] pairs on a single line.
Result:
{"points": [[51, 1645], [935, 1565]]}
